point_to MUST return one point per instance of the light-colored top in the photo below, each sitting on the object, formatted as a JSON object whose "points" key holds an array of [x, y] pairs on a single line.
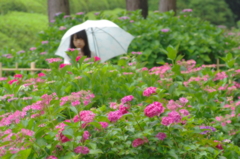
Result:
{"points": [[67, 59]]}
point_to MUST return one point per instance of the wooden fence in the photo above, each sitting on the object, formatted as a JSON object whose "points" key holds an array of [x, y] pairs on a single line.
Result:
{"points": [[32, 68]]}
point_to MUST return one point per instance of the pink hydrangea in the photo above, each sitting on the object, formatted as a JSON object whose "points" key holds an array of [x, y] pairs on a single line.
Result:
{"points": [[97, 58], [51, 157], [41, 74], [3, 78], [154, 109], [144, 69], [103, 124], [18, 76], [52, 60], [139, 141], [161, 136], [63, 65], [127, 99], [172, 105], [27, 132], [32, 48], [187, 10], [75, 103], [175, 115], [12, 81], [220, 76], [114, 116], [149, 91], [63, 138], [123, 109], [85, 136], [184, 112], [44, 42], [81, 149], [78, 58], [183, 100], [167, 120], [113, 105], [165, 30], [86, 116]]}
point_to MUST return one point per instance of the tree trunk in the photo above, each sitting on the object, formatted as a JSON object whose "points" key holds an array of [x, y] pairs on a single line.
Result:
{"points": [[144, 7], [167, 5], [132, 5], [56, 6]]}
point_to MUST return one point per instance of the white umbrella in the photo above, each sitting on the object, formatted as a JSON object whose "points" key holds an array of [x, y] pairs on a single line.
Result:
{"points": [[105, 38]]}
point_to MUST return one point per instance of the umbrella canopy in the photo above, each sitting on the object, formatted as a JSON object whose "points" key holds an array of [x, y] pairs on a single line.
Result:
{"points": [[105, 38]]}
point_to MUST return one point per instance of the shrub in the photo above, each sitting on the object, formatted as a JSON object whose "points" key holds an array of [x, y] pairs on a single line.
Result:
{"points": [[24, 27], [216, 12]]}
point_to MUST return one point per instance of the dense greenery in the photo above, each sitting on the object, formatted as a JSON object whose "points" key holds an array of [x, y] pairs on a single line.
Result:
{"points": [[94, 110], [217, 12], [189, 36], [23, 30]]}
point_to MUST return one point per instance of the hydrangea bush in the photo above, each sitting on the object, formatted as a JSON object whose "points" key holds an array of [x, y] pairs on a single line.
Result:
{"points": [[99, 110]]}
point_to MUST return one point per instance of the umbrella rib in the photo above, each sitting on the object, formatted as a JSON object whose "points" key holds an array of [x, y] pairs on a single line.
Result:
{"points": [[112, 37], [95, 41]]}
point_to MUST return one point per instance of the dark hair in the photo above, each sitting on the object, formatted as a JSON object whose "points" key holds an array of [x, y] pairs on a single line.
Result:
{"points": [[81, 35]]}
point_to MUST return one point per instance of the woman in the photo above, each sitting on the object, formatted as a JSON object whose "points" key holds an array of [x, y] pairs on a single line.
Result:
{"points": [[79, 40]]}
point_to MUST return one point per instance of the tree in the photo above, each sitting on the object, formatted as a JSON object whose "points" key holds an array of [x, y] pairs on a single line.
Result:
{"points": [[167, 5], [132, 5], [234, 5], [56, 6]]}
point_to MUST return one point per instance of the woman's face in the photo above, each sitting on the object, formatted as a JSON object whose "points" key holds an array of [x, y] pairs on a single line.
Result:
{"points": [[78, 43]]}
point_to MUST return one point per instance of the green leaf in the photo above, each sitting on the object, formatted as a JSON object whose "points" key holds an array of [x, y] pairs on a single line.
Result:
{"points": [[222, 157], [74, 109], [173, 154], [95, 151], [172, 53], [23, 154], [179, 57], [230, 63], [41, 142], [176, 69], [93, 145], [96, 124], [68, 132], [229, 57]]}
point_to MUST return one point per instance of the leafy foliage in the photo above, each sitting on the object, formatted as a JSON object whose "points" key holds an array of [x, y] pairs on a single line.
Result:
{"points": [[216, 12], [195, 38], [127, 115], [23, 30]]}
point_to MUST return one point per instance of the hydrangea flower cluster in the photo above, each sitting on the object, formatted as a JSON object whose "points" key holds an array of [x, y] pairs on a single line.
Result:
{"points": [[154, 109], [76, 98], [149, 91], [139, 141]]}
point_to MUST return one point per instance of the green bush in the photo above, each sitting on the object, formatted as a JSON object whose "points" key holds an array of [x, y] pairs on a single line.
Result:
{"points": [[9, 42], [24, 27], [36, 6], [191, 37], [11, 5], [78, 6], [197, 39], [116, 4], [97, 5], [216, 12]]}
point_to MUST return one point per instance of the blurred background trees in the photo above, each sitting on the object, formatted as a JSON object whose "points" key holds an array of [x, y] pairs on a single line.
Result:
{"points": [[21, 20]]}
